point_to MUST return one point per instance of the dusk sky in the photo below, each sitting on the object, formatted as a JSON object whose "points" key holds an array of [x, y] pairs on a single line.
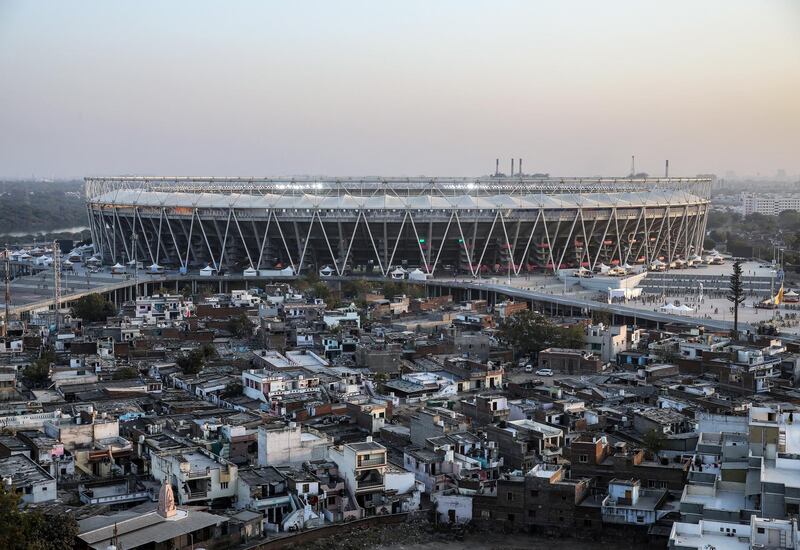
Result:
{"points": [[398, 88]]}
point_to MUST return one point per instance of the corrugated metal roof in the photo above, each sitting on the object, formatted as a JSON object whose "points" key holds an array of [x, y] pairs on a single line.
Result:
{"points": [[142, 529]]}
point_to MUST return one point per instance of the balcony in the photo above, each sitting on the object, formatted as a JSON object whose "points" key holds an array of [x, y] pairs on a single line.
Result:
{"points": [[372, 462], [369, 481], [369, 485], [193, 495]]}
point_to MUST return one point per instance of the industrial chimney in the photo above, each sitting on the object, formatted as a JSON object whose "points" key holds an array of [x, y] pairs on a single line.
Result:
{"points": [[512, 167], [520, 167], [496, 166], [666, 169]]}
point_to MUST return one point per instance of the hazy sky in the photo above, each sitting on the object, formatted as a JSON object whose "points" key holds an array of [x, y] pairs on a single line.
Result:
{"points": [[398, 88]]}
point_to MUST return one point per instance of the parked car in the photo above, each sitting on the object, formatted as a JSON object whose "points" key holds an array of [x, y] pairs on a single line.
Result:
{"points": [[544, 372], [528, 368]]}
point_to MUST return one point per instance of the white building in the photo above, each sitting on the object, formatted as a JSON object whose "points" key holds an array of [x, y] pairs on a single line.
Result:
{"points": [[273, 360], [267, 385], [608, 341], [453, 507], [344, 316], [19, 474], [243, 298], [759, 533], [285, 444], [363, 468], [628, 503], [163, 307], [769, 205], [198, 475]]}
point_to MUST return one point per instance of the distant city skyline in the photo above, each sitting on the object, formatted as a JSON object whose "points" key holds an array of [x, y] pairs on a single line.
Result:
{"points": [[398, 88]]}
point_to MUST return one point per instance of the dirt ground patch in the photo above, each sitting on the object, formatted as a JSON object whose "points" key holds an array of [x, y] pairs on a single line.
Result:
{"points": [[422, 536]]}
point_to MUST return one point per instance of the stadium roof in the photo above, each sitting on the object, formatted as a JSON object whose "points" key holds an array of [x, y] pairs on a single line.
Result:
{"points": [[382, 201]]}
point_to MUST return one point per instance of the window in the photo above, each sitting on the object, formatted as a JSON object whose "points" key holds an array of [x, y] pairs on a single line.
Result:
{"points": [[511, 517], [510, 496], [587, 523], [531, 513], [305, 487], [534, 493], [583, 458], [761, 530], [223, 485]]}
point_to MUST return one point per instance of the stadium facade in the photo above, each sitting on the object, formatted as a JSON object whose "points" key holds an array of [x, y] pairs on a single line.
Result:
{"points": [[468, 226]]}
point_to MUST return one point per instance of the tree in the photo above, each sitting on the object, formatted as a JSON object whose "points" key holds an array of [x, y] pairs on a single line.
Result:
{"points": [[38, 372], [125, 373], [192, 362], [50, 531], [571, 337], [356, 288], [736, 294], [529, 332], [12, 531], [653, 441], [379, 380], [391, 289], [93, 308], [232, 389], [195, 361], [209, 351], [240, 326], [32, 529]]}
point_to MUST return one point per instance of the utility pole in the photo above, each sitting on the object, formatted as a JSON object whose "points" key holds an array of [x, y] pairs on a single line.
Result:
{"points": [[57, 284], [7, 270], [135, 268]]}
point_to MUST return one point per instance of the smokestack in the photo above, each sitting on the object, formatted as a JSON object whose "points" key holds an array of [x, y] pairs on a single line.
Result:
{"points": [[520, 167], [496, 166], [666, 169], [512, 167]]}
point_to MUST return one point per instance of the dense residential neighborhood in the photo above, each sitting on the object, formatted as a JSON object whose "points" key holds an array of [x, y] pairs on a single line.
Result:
{"points": [[179, 419]]}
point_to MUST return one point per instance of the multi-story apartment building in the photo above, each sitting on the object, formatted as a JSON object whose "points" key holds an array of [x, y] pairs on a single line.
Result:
{"points": [[267, 385], [523, 443], [363, 467], [434, 422], [281, 443], [198, 475], [543, 498], [769, 205]]}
